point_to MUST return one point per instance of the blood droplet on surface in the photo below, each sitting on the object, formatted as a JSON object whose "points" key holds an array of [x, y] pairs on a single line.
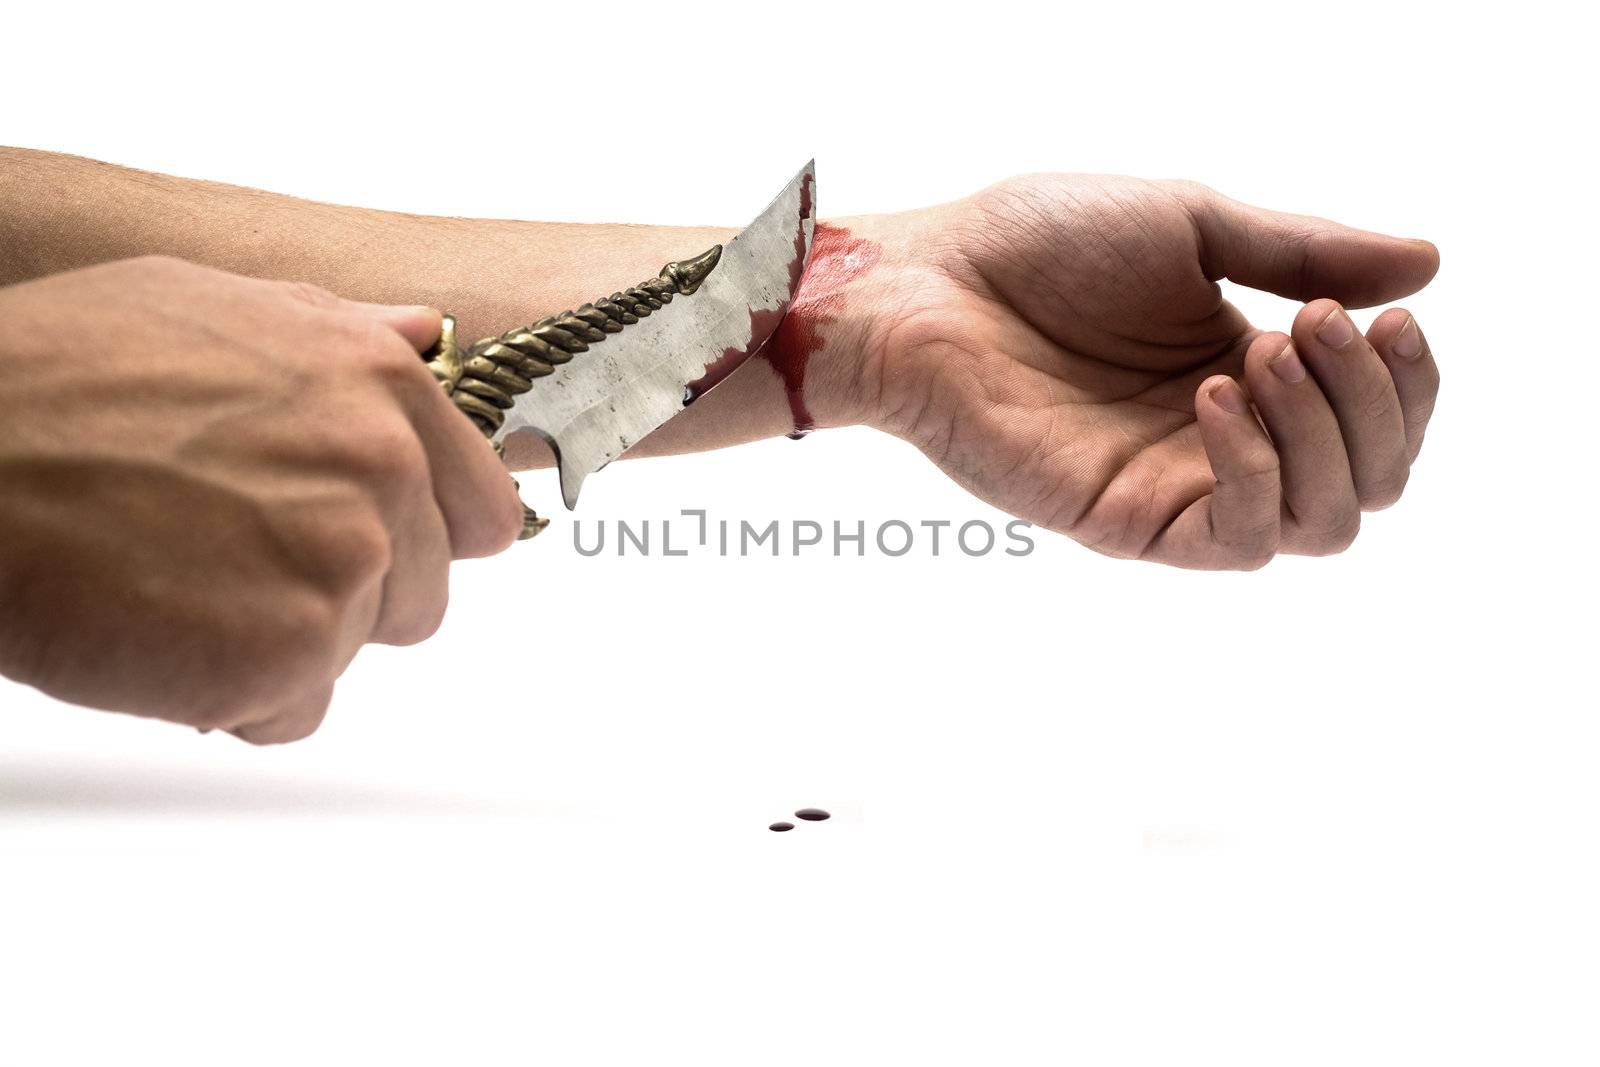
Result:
{"points": [[812, 814], [781, 826]]}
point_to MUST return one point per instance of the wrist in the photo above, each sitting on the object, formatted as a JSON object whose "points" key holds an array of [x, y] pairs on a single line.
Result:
{"points": [[815, 372], [825, 353]]}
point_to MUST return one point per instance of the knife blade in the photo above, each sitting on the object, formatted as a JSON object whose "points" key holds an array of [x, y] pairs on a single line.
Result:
{"points": [[595, 407]]}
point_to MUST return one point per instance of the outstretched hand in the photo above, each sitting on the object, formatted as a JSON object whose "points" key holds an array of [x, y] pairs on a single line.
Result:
{"points": [[1059, 346]]}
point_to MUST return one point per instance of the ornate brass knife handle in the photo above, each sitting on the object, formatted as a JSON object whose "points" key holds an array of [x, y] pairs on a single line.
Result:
{"points": [[485, 379]]}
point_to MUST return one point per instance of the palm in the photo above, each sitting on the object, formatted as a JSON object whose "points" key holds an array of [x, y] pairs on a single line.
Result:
{"points": [[1055, 375]]}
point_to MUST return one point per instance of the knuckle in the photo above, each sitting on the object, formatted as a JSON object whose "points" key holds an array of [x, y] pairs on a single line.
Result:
{"points": [[306, 634], [1341, 536], [295, 729], [419, 625], [508, 525], [308, 294], [1258, 472], [387, 454], [493, 527], [1414, 446], [1385, 491], [1252, 549], [334, 558], [1189, 191], [1378, 399], [1110, 534], [1420, 412], [1262, 351], [480, 538], [1429, 374], [278, 732], [1253, 558], [342, 560], [260, 735], [284, 728], [154, 273], [380, 352], [488, 525], [288, 643], [1332, 535], [310, 718], [1006, 189], [1296, 252]]}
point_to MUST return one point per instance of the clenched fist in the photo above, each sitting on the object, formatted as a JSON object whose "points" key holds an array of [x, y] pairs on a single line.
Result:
{"points": [[217, 489]]}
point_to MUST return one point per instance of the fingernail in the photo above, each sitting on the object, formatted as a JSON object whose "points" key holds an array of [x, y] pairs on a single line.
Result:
{"points": [[1287, 366], [1229, 397], [1336, 330], [1408, 342]]}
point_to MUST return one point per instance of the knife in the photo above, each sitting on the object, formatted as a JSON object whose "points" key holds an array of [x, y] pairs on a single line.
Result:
{"points": [[593, 381]]}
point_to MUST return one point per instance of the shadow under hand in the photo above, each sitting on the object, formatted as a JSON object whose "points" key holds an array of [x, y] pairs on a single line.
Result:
{"points": [[39, 786]]}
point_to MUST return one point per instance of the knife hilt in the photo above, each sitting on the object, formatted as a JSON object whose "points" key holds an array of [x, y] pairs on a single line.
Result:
{"points": [[485, 379]]}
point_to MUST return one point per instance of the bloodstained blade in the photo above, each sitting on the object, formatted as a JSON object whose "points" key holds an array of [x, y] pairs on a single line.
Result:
{"points": [[593, 409]]}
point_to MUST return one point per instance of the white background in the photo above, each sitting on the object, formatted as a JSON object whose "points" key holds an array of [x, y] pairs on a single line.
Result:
{"points": [[1089, 811]]}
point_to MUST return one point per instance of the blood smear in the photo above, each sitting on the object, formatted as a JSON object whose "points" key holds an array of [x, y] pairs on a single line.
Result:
{"points": [[762, 321], [837, 259]]}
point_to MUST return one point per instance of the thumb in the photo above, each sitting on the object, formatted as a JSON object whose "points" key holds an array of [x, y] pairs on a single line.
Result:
{"points": [[419, 325], [1304, 258]]}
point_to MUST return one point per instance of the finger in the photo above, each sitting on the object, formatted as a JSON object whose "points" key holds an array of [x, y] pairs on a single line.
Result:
{"points": [[472, 488], [294, 720], [1236, 525], [482, 512], [1301, 257], [474, 491], [1363, 397], [1404, 350], [416, 588], [419, 325], [1319, 493]]}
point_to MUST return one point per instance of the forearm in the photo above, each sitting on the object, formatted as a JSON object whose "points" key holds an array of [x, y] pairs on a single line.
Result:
{"points": [[59, 213]]}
